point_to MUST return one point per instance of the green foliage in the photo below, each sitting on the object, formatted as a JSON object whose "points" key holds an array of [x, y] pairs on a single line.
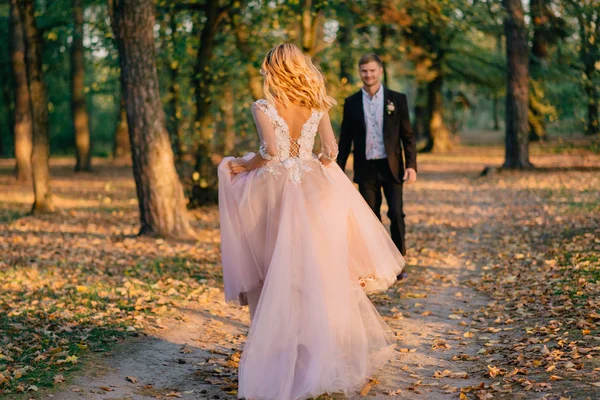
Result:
{"points": [[419, 40]]}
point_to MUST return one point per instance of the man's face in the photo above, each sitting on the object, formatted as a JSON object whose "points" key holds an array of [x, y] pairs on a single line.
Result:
{"points": [[370, 73]]}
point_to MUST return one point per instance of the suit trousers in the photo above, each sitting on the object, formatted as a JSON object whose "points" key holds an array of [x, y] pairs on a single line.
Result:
{"points": [[376, 177]]}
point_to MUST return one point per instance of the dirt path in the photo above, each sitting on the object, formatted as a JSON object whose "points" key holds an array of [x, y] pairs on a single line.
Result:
{"points": [[195, 359], [192, 359], [189, 359]]}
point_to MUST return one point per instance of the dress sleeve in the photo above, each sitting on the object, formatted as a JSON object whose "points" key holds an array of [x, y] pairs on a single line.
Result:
{"points": [[329, 146], [268, 141]]}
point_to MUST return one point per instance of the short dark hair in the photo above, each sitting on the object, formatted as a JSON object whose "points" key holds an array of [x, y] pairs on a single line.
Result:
{"points": [[367, 58]]}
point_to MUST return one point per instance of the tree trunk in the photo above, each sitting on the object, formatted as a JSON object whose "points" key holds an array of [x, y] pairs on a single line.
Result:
{"points": [[160, 194], [589, 34], [175, 113], [496, 112], [174, 104], [541, 30], [517, 91], [78, 109], [202, 74], [347, 64], [240, 30], [496, 98], [7, 107], [308, 28], [542, 36], [122, 146], [383, 35], [383, 54], [438, 132], [22, 111], [421, 121], [593, 122], [229, 117], [203, 78], [40, 156]]}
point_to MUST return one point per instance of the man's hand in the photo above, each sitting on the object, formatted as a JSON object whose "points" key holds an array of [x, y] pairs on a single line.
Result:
{"points": [[410, 175]]}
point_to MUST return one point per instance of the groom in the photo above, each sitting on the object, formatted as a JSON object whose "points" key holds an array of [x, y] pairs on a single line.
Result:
{"points": [[376, 120]]}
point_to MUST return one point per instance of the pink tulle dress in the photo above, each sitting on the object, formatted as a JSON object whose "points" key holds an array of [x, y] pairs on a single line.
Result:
{"points": [[302, 248]]}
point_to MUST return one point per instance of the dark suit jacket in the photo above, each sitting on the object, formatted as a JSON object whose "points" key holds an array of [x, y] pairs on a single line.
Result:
{"points": [[397, 135]]}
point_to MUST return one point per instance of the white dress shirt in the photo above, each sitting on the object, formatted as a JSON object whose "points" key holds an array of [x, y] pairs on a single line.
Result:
{"points": [[373, 109]]}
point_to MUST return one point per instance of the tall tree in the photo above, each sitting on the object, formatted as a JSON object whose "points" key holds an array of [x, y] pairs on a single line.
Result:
{"points": [[7, 105], [496, 94], [429, 29], [542, 34], [587, 13], [517, 90], [173, 106], [78, 108], [121, 145], [203, 76], [40, 156], [312, 16], [229, 119], [203, 79], [347, 63], [22, 109], [547, 30], [242, 31], [160, 194], [384, 33]]}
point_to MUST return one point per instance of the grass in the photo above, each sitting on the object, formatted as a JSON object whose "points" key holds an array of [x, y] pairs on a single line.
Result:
{"points": [[7, 216], [568, 147], [53, 316], [48, 346]]}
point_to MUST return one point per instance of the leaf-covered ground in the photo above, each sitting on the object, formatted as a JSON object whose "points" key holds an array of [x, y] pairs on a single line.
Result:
{"points": [[502, 299]]}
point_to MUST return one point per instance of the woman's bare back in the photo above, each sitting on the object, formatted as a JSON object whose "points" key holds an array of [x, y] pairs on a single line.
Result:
{"points": [[295, 117]]}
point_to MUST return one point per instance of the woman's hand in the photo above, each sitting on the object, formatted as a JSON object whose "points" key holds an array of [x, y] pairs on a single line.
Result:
{"points": [[238, 165], [324, 160]]}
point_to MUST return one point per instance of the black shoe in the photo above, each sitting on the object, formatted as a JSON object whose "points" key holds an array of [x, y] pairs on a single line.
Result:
{"points": [[402, 275]]}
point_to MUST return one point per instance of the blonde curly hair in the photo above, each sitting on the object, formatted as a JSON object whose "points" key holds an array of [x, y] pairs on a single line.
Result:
{"points": [[292, 77]]}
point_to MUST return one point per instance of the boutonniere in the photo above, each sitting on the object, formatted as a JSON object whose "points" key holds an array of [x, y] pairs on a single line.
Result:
{"points": [[390, 108]]}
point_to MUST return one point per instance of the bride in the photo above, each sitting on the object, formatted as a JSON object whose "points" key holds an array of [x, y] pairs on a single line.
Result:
{"points": [[301, 247]]}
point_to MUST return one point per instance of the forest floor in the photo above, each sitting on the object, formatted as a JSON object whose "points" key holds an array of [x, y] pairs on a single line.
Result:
{"points": [[502, 299]]}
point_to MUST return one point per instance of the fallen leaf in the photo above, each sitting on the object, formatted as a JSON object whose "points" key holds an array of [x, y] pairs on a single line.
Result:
{"points": [[367, 388], [450, 374]]}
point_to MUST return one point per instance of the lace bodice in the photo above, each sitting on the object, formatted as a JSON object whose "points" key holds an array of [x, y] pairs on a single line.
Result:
{"points": [[288, 147], [281, 149]]}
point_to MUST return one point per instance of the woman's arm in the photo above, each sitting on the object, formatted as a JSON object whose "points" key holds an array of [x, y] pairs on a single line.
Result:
{"points": [[268, 143], [240, 165], [329, 146]]}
